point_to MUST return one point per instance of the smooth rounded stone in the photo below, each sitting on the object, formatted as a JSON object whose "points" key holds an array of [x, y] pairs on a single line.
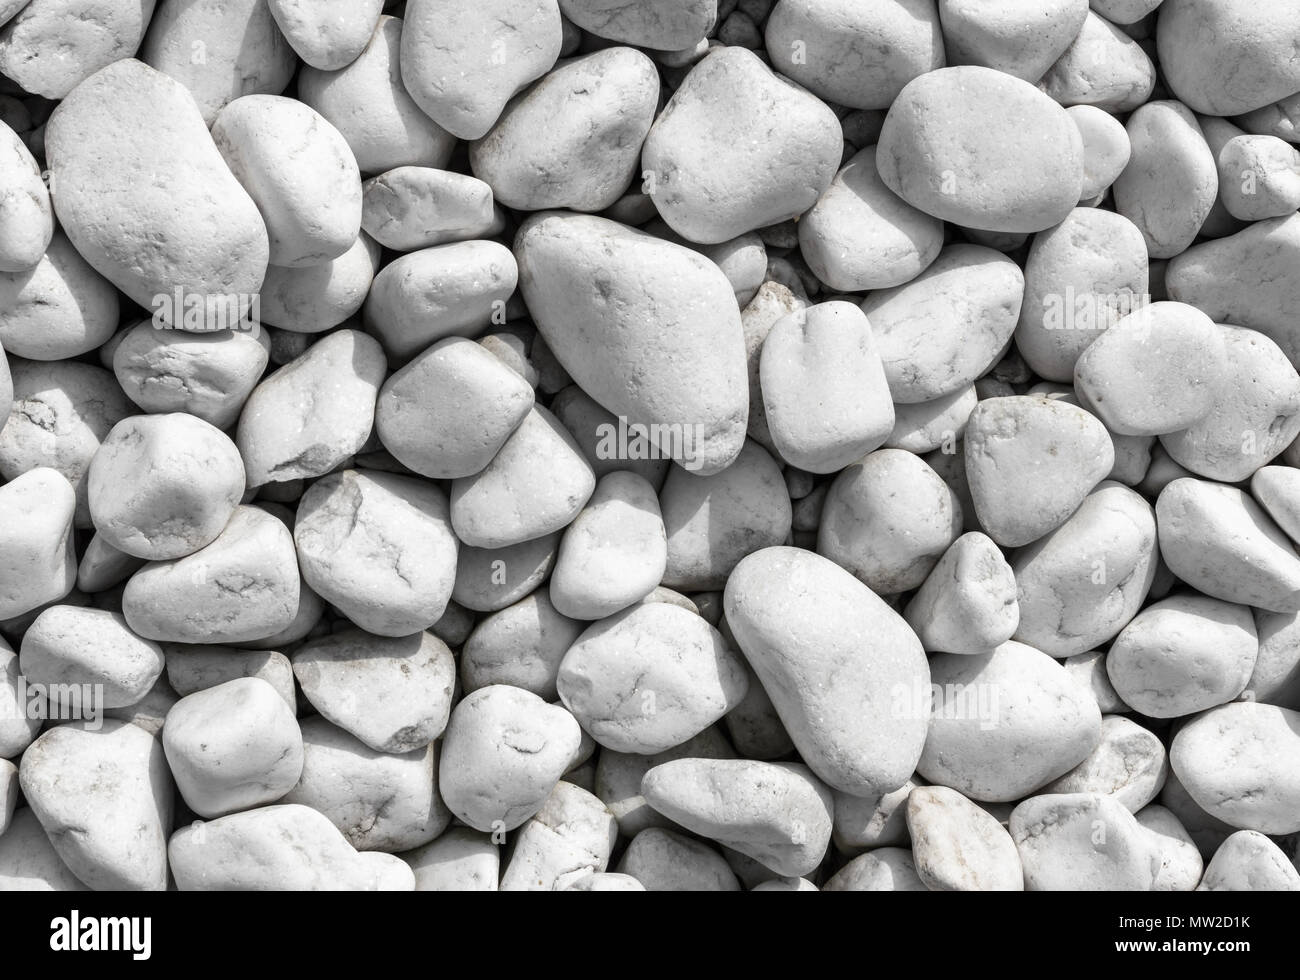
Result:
{"points": [[1276, 675], [18, 724], [216, 240], [519, 646], [888, 519], [299, 172], [605, 882], [1259, 177], [1227, 59], [449, 411], [459, 860], [535, 485], [824, 388], [1089, 669], [243, 586], [1079, 585], [320, 297], [569, 838], [233, 747], [26, 215], [614, 553], [1183, 655], [488, 579], [164, 486], [981, 149], [368, 103], [1158, 370], [967, 604], [220, 51], [1106, 148], [1219, 541], [1239, 763], [1249, 862], [709, 178], [392, 693], [1245, 279], [649, 678], [573, 140], [618, 778], [1083, 842], [502, 754], [712, 522], [654, 336], [1128, 764], [921, 427], [1255, 414], [50, 46], [846, 674], [1180, 861], [379, 548], [410, 208], [501, 46], [1171, 180], [1031, 461], [856, 56], [105, 799], [1081, 277], [327, 34], [1102, 67], [313, 413], [779, 814], [1023, 38], [949, 325], [378, 801], [668, 861], [1005, 722], [29, 863], [675, 25], [861, 235], [438, 292], [865, 822], [194, 668], [58, 309], [289, 847], [90, 649], [597, 431], [886, 869], [37, 562], [958, 846], [207, 375]]}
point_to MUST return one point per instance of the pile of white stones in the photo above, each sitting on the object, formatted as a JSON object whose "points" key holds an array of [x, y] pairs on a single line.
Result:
{"points": [[701, 444]]}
